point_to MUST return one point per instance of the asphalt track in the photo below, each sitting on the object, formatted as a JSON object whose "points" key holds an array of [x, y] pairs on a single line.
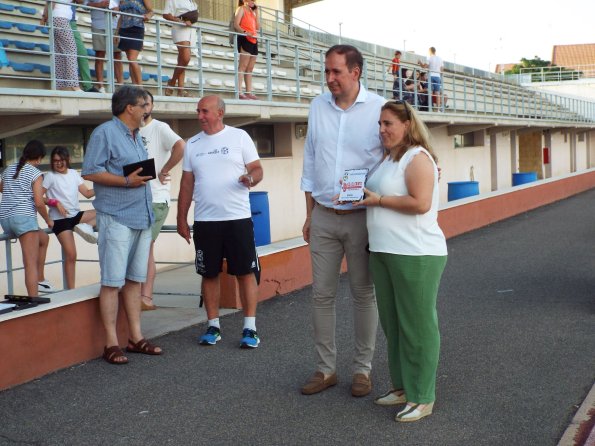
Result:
{"points": [[517, 316]]}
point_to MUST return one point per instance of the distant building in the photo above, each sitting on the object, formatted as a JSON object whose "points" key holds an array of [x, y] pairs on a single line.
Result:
{"points": [[574, 56], [502, 68]]}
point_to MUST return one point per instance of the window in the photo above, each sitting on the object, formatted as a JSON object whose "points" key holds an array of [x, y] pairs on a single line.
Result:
{"points": [[73, 138], [470, 139], [263, 136]]}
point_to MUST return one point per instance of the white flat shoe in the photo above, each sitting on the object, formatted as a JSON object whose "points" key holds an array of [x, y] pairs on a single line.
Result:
{"points": [[391, 398], [413, 413]]}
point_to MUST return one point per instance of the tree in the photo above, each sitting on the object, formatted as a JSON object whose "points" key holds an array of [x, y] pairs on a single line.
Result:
{"points": [[543, 70]]}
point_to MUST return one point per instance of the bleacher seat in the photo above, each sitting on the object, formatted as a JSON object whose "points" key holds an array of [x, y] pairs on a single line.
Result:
{"points": [[27, 10], [43, 68], [25, 67], [26, 27], [5, 7], [213, 82], [43, 29], [5, 25], [24, 45]]}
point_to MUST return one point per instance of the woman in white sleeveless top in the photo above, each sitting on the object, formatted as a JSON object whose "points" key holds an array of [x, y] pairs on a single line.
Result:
{"points": [[407, 257]]}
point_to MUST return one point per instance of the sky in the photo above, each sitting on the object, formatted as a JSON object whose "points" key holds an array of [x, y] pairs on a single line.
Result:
{"points": [[472, 33]]}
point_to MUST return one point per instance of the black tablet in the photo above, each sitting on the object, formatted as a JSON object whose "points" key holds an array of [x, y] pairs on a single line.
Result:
{"points": [[147, 165]]}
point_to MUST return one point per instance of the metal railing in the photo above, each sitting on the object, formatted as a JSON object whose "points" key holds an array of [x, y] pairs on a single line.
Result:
{"points": [[10, 269], [556, 74], [291, 70]]}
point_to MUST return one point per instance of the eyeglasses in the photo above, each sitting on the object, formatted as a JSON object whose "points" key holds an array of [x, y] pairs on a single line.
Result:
{"points": [[405, 105], [143, 105], [58, 161]]}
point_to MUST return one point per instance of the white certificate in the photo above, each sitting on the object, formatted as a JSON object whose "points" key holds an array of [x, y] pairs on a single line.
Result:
{"points": [[352, 186]]}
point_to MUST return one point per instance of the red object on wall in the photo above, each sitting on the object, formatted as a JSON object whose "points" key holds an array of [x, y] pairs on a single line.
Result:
{"points": [[546, 155]]}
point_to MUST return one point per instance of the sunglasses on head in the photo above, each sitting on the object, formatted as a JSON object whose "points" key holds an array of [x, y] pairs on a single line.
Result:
{"points": [[405, 105]]}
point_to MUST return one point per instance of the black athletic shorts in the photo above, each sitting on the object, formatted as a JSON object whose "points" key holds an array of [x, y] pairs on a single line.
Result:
{"points": [[232, 240], [247, 46], [67, 224]]}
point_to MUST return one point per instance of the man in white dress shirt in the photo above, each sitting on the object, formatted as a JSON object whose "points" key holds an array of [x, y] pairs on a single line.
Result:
{"points": [[342, 134]]}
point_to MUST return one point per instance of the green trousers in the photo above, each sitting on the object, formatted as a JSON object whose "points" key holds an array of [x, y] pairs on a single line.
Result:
{"points": [[82, 58], [406, 292]]}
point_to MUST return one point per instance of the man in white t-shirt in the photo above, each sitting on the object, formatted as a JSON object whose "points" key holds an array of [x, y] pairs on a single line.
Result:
{"points": [[436, 66], [167, 148], [220, 165]]}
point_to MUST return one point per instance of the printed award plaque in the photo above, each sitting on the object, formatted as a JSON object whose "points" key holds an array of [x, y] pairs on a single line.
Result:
{"points": [[352, 187]]}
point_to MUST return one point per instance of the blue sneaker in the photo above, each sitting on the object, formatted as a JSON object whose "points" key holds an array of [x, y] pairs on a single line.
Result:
{"points": [[249, 339], [211, 336]]}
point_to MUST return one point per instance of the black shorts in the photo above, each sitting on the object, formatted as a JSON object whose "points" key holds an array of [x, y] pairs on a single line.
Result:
{"points": [[232, 240], [67, 224], [248, 47], [131, 38]]}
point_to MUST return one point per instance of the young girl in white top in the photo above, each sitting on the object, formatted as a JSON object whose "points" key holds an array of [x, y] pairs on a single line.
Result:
{"points": [[22, 199], [61, 187]]}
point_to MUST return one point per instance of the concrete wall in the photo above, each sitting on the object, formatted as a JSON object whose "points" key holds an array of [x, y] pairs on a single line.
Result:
{"points": [[286, 202]]}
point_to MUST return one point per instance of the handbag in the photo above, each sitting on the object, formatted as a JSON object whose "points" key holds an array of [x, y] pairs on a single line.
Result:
{"points": [[190, 16]]}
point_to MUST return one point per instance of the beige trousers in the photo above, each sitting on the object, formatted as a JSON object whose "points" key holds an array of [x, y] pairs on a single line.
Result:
{"points": [[333, 236]]}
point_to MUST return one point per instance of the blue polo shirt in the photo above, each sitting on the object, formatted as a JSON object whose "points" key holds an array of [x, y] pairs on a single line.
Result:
{"points": [[111, 147]]}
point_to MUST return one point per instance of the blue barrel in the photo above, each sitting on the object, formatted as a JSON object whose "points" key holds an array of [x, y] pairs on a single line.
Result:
{"points": [[462, 189], [523, 177], [259, 204]]}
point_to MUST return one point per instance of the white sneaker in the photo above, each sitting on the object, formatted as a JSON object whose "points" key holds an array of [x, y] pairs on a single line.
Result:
{"points": [[102, 90], [391, 398], [86, 231], [45, 286]]}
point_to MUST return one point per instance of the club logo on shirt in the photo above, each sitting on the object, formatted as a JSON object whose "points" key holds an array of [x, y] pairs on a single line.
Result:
{"points": [[224, 151]]}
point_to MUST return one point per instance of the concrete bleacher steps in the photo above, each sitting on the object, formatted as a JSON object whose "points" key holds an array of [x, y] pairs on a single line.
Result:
{"points": [[293, 73], [27, 47]]}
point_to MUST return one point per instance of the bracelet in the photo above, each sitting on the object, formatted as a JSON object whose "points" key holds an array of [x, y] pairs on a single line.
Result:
{"points": [[52, 202], [380, 201], [127, 181]]}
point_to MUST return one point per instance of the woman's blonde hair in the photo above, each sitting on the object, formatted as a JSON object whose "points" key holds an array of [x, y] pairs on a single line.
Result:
{"points": [[417, 133]]}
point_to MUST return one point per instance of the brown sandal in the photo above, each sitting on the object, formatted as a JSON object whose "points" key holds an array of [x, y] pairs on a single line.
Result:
{"points": [[143, 346], [147, 306], [113, 354]]}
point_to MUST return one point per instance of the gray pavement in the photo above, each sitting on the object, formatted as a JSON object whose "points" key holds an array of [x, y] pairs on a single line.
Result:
{"points": [[517, 316]]}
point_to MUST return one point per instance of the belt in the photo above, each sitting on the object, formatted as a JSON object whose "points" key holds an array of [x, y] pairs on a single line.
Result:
{"points": [[340, 211]]}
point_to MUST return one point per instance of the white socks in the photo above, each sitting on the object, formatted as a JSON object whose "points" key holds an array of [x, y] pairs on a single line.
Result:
{"points": [[214, 323], [250, 322]]}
